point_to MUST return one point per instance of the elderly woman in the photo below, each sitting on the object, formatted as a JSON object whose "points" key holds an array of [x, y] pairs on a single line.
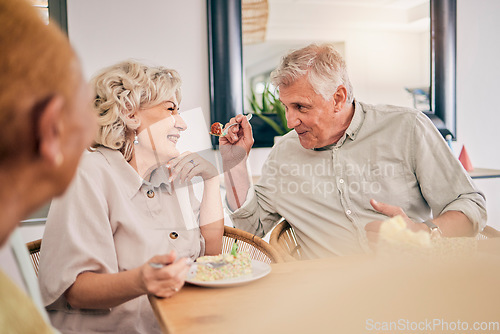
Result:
{"points": [[129, 224], [46, 121]]}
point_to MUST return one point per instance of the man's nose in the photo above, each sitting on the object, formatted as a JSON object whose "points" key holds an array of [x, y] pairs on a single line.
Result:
{"points": [[291, 119]]}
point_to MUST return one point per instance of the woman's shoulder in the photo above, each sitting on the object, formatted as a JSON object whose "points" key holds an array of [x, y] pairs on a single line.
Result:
{"points": [[109, 168], [97, 164], [100, 157], [91, 160]]}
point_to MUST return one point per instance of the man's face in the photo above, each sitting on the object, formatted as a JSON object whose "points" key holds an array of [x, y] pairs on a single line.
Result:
{"points": [[312, 117]]}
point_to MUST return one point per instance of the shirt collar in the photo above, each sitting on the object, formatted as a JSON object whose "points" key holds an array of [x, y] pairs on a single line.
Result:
{"points": [[130, 180], [324, 148], [159, 179], [352, 129], [357, 121]]}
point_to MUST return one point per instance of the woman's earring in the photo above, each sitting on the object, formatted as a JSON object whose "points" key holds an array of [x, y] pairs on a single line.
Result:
{"points": [[136, 139]]}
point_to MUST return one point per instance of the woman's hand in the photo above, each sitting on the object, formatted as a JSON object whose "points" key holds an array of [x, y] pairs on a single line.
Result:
{"points": [[188, 165], [167, 281], [97, 291]]}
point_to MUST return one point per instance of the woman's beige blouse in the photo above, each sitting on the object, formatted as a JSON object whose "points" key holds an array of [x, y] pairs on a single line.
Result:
{"points": [[111, 220]]}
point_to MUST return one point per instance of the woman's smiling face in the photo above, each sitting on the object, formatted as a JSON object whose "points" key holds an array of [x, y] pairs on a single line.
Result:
{"points": [[160, 129]]}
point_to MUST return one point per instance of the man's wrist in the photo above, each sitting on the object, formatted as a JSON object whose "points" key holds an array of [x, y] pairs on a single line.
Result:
{"points": [[233, 165], [433, 229]]}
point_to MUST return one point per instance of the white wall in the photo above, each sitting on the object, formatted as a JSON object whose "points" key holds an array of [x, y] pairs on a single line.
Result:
{"points": [[478, 87], [171, 33], [382, 64], [478, 114]]}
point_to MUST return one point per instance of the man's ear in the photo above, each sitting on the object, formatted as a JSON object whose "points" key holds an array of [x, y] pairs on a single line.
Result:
{"points": [[339, 98], [49, 127]]}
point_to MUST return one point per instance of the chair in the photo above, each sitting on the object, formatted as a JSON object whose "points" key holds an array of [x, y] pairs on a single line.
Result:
{"points": [[252, 244], [247, 242], [284, 240], [34, 250], [488, 233]]}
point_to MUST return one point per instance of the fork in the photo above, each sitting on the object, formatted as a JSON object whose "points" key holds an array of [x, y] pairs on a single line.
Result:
{"points": [[156, 265], [212, 265], [226, 131]]}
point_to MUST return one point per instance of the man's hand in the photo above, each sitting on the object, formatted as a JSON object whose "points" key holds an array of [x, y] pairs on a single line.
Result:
{"points": [[236, 145], [372, 228], [234, 149]]}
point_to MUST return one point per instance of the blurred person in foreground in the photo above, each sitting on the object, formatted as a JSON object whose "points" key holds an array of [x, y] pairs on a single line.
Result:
{"points": [[346, 166], [130, 209], [46, 121]]}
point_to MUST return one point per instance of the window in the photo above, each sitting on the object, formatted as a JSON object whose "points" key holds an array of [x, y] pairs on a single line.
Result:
{"points": [[53, 10], [43, 8]]}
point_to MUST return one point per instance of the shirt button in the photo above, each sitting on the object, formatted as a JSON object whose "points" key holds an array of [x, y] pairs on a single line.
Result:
{"points": [[150, 193], [341, 181], [348, 212], [174, 235]]}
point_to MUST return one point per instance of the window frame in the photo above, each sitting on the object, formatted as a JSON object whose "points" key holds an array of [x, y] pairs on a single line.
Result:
{"points": [[58, 13]]}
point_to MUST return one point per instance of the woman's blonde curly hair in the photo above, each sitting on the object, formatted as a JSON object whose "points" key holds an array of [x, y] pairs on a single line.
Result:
{"points": [[123, 89]]}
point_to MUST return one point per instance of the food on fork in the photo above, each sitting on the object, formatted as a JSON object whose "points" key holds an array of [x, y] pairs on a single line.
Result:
{"points": [[212, 268], [216, 129]]}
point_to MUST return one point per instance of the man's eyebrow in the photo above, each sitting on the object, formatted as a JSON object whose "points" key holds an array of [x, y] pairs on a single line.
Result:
{"points": [[297, 102], [304, 104]]}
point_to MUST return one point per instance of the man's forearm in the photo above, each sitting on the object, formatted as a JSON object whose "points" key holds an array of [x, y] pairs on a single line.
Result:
{"points": [[454, 224], [237, 183]]}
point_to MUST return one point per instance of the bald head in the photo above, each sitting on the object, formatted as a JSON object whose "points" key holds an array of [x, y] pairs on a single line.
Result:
{"points": [[36, 63]]}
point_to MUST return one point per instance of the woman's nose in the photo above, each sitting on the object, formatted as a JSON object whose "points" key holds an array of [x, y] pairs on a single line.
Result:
{"points": [[179, 123]]}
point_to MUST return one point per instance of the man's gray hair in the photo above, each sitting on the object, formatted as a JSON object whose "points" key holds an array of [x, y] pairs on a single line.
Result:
{"points": [[324, 66]]}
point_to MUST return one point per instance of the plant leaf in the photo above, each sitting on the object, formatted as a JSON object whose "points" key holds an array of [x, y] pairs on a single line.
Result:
{"points": [[272, 124], [234, 249], [265, 101], [272, 105]]}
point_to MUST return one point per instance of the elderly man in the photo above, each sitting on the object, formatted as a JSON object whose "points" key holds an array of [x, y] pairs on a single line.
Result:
{"points": [[347, 165]]}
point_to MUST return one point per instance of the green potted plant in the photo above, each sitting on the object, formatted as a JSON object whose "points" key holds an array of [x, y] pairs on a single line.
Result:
{"points": [[272, 114]]}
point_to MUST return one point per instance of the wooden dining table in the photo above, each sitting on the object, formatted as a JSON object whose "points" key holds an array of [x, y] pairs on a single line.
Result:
{"points": [[356, 294]]}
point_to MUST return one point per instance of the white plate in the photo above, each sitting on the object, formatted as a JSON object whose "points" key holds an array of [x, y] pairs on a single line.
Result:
{"points": [[259, 270]]}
